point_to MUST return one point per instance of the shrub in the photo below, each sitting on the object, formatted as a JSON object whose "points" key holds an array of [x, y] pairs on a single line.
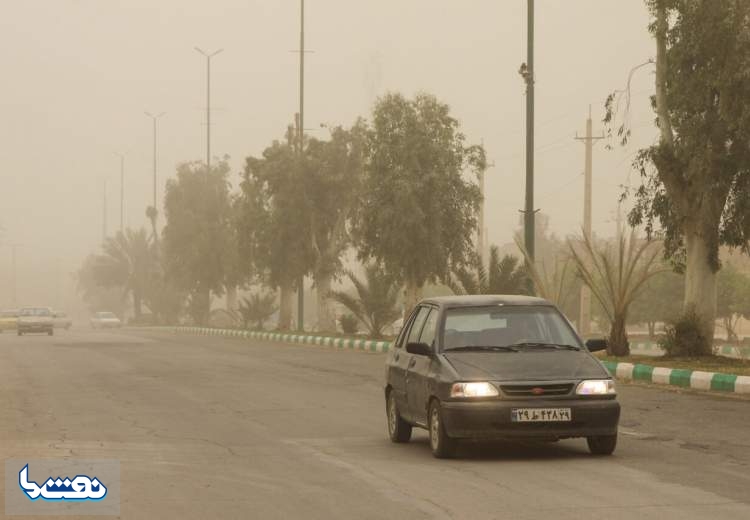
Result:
{"points": [[685, 336], [349, 323]]}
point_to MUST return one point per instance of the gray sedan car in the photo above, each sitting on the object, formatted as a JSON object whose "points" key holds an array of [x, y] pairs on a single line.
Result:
{"points": [[497, 367]]}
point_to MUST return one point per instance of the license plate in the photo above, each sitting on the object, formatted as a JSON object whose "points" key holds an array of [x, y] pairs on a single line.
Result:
{"points": [[540, 415]]}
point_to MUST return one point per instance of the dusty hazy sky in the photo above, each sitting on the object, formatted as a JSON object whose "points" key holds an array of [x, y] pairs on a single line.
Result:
{"points": [[77, 76]]}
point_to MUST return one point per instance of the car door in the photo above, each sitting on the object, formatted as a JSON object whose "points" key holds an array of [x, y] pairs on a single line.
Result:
{"points": [[420, 369], [405, 359], [396, 363]]}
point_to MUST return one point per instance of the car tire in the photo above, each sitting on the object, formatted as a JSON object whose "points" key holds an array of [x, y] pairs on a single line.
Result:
{"points": [[442, 446], [20, 333], [602, 444], [398, 429], [50, 332]]}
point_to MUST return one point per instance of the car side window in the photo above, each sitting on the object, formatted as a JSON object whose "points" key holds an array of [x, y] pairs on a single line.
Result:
{"points": [[429, 329], [417, 323], [404, 332]]}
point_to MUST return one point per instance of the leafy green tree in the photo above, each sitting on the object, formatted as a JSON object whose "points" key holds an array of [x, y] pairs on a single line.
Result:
{"points": [[332, 177], [273, 226], [660, 301], [197, 236], [733, 298], [126, 262], [257, 309], [695, 182], [616, 273], [375, 302], [501, 276], [417, 212]]}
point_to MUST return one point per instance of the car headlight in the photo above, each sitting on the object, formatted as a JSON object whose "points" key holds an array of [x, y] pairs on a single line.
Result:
{"points": [[596, 387], [474, 389]]}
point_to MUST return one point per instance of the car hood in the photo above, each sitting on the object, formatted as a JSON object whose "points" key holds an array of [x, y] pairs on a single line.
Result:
{"points": [[35, 319], [525, 366]]}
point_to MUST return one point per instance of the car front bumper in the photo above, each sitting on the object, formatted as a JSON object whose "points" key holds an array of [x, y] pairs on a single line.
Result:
{"points": [[36, 328], [492, 419]]}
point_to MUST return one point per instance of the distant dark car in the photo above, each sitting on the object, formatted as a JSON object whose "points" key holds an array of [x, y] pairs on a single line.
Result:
{"points": [[497, 367], [36, 319]]}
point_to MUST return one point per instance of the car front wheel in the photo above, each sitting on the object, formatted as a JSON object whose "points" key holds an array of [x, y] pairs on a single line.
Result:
{"points": [[398, 429], [442, 446], [602, 444]]}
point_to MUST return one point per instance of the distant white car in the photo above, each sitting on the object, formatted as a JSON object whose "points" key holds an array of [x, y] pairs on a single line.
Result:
{"points": [[105, 320], [61, 320]]}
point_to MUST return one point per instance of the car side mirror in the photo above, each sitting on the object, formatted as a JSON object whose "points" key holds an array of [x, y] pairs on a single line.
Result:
{"points": [[420, 349], [595, 345]]}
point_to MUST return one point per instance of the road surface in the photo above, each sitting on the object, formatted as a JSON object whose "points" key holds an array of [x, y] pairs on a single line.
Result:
{"points": [[212, 428]]}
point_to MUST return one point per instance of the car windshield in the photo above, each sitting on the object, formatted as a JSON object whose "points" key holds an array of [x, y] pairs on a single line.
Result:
{"points": [[498, 327], [36, 312]]}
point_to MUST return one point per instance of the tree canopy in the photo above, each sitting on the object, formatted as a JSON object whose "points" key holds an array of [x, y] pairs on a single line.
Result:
{"points": [[417, 211], [197, 236], [695, 182]]}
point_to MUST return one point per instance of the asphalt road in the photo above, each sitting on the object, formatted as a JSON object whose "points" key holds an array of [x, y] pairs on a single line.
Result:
{"points": [[209, 428]]}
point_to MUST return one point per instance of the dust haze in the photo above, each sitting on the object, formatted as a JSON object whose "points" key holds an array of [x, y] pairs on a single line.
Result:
{"points": [[78, 76]]}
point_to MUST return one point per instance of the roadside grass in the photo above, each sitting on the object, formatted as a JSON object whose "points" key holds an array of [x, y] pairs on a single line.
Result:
{"points": [[719, 364]]}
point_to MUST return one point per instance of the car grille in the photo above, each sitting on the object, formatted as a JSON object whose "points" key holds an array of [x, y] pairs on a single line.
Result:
{"points": [[545, 390]]}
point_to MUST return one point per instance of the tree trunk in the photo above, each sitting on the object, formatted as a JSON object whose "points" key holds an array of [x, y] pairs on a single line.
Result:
{"points": [[651, 329], [285, 306], [232, 298], [137, 309], [700, 284], [326, 319], [618, 338], [412, 296]]}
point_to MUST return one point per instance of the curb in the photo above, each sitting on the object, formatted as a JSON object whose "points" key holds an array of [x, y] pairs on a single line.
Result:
{"points": [[694, 379], [364, 345], [648, 348]]}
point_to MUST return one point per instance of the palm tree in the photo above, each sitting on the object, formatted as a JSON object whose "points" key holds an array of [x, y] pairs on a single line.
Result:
{"points": [[257, 309], [126, 262], [502, 276], [616, 274], [375, 302], [553, 279]]}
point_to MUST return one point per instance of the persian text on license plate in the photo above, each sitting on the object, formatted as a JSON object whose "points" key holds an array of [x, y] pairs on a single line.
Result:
{"points": [[540, 415]]}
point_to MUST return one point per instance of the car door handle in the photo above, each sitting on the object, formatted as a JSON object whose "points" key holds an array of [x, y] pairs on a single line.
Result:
{"points": [[412, 362]]}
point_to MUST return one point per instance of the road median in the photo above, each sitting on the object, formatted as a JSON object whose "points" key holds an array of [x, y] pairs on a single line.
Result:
{"points": [[695, 379]]}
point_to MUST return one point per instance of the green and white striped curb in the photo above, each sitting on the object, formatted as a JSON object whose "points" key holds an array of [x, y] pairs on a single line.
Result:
{"points": [[365, 345], [695, 379], [647, 348]]}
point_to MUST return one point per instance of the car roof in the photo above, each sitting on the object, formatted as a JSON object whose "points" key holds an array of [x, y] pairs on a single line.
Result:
{"points": [[480, 300]]}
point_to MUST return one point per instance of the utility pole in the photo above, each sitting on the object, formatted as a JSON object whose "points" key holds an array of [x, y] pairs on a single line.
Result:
{"points": [[481, 229], [208, 103], [584, 324], [301, 133], [104, 211], [14, 288], [527, 72], [154, 118], [122, 191]]}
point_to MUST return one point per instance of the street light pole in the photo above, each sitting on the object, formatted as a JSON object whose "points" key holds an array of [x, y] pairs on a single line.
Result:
{"points": [[154, 119], [122, 191], [527, 72], [208, 103], [301, 134]]}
